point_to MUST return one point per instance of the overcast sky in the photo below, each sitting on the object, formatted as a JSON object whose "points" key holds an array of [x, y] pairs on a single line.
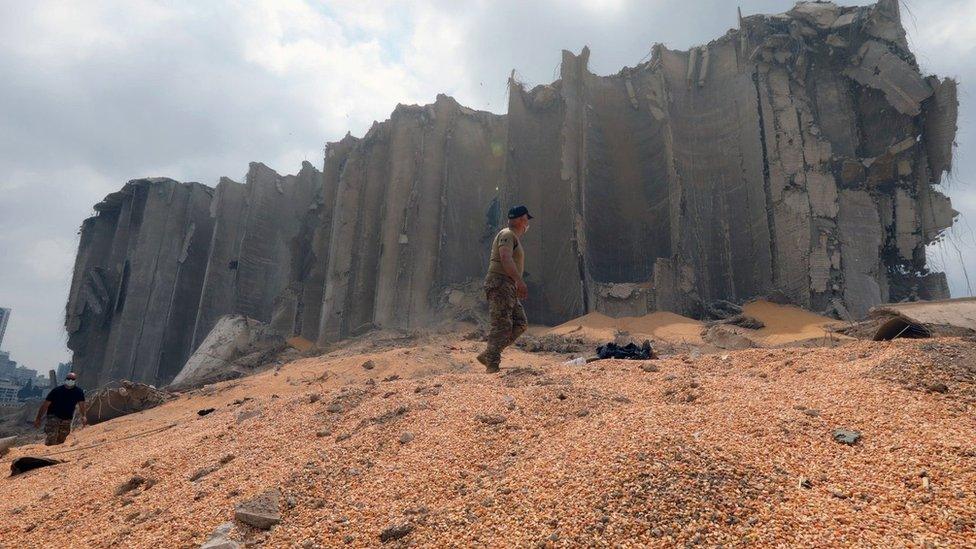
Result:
{"points": [[95, 93]]}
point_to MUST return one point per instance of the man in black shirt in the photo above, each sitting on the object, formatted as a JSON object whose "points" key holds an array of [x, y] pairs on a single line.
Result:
{"points": [[59, 406]]}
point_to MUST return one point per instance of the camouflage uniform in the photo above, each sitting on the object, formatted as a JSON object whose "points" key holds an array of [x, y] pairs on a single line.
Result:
{"points": [[507, 319], [56, 430]]}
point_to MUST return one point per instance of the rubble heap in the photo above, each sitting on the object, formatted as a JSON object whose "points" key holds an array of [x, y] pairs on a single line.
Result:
{"points": [[798, 155]]}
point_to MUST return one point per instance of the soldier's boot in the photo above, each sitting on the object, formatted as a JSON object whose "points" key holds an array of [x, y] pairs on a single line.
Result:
{"points": [[490, 360]]}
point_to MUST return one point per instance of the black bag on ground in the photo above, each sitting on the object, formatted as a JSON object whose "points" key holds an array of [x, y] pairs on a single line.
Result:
{"points": [[627, 352]]}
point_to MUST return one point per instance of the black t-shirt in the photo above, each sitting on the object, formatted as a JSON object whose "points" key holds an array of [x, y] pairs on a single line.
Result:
{"points": [[63, 401]]}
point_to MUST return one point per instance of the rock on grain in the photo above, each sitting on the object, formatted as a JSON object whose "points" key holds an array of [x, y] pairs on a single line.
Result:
{"points": [[261, 512], [491, 419], [395, 532], [847, 436], [130, 485]]}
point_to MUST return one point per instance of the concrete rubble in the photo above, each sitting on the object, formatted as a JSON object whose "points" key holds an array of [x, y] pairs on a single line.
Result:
{"points": [[798, 155], [6, 443], [219, 538], [236, 346], [262, 511], [122, 398], [948, 318]]}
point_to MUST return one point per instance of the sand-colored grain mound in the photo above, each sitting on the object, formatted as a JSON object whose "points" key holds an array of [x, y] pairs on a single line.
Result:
{"points": [[410, 439], [785, 325], [788, 324], [660, 326]]}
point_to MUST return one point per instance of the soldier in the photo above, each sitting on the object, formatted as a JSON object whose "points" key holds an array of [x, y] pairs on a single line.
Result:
{"points": [[59, 406], [504, 288]]}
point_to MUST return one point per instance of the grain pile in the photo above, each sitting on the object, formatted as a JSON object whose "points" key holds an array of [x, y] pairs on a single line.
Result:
{"points": [[659, 326], [413, 445], [789, 324], [784, 325]]}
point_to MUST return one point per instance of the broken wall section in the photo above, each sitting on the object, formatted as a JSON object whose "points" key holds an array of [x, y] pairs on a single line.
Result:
{"points": [[315, 241], [626, 144], [137, 281], [257, 258], [795, 155], [719, 214], [415, 188], [827, 244], [538, 176], [850, 125]]}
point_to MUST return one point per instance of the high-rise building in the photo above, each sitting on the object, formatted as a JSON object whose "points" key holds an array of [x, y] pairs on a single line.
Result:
{"points": [[4, 317]]}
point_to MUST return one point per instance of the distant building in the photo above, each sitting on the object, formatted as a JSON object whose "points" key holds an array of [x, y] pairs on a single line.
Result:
{"points": [[22, 375], [30, 391], [4, 318], [8, 393], [10, 371], [64, 369], [7, 366]]}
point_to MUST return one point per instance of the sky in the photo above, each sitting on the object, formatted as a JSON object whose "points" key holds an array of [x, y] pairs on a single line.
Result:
{"points": [[95, 93]]}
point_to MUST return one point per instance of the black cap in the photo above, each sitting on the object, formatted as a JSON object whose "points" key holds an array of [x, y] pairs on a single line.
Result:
{"points": [[518, 211]]}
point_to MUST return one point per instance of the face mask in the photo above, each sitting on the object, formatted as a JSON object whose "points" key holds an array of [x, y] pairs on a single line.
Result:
{"points": [[69, 383]]}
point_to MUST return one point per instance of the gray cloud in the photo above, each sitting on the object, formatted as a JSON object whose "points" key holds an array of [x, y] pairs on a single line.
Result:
{"points": [[97, 93]]}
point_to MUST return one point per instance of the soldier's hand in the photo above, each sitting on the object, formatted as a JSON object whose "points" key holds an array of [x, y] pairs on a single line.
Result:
{"points": [[522, 289]]}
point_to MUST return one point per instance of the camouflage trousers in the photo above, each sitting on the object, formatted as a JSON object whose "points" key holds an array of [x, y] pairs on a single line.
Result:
{"points": [[506, 316], [56, 430]]}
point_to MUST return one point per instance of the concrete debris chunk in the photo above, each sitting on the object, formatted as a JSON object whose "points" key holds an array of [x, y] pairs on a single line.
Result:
{"points": [[923, 319], [237, 345], [262, 511], [849, 437], [877, 67], [837, 41], [941, 114], [248, 414], [844, 21], [722, 309], [122, 398], [821, 14], [133, 483], [219, 539], [202, 472], [396, 531], [6, 444], [884, 22], [491, 419], [221, 543]]}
